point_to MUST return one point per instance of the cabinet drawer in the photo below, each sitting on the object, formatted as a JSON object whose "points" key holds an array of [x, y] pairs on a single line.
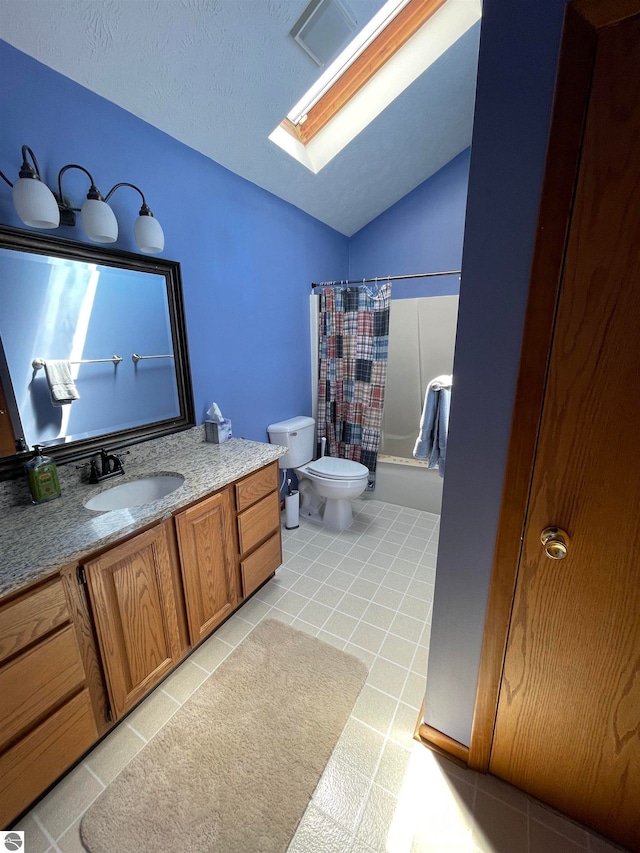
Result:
{"points": [[38, 759], [256, 486], [262, 563], [258, 522], [34, 683], [31, 616]]}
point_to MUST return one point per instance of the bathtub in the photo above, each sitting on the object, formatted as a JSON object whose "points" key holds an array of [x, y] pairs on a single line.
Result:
{"points": [[422, 334], [407, 482]]}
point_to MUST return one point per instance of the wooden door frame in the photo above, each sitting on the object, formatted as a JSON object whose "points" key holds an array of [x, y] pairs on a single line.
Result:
{"points": [[584, 19]]}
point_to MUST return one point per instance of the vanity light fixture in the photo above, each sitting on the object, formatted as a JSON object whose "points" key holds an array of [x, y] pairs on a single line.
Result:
{"points": [[38, 207]]}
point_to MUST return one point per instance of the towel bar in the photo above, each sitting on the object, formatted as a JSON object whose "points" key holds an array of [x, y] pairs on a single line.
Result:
{"points": [[135, 358], [37, 363]]}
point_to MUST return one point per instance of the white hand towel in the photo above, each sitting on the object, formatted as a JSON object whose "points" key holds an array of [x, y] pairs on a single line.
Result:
{"points": [[440, 382], [431, 443], [61, 385]]}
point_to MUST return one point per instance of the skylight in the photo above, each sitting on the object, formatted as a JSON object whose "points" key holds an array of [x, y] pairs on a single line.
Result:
{"points": [[393, 50], [345, 59]]}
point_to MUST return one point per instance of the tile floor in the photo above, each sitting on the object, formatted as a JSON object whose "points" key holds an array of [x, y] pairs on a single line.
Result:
{"points": [[369, 591]]}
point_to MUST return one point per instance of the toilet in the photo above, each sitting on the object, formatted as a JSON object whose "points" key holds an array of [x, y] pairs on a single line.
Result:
{"points": [[327, 485]]}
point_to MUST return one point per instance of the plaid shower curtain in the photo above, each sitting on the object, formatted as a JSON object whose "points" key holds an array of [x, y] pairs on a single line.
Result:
{"points": [[353, 348]]}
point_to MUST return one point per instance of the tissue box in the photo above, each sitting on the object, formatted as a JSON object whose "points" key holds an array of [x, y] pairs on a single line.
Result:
{"points": [[217, 433]]}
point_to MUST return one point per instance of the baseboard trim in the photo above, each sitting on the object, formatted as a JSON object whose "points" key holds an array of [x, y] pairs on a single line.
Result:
{"points": [[440, 743]]}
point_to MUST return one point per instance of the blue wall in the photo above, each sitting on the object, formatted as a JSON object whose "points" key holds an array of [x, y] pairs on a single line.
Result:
{"points": [[247, 257], [516, 74], [420, 233]]}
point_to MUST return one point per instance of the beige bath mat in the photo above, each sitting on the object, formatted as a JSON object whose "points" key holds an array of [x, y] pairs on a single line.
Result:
{"points": [[233, 770]]}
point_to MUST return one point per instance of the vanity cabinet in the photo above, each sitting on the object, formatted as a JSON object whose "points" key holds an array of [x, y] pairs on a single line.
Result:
{"points": [[136, 613], [47, 718], [71, 664], [208, 561], [227, 545], [258, 520]]}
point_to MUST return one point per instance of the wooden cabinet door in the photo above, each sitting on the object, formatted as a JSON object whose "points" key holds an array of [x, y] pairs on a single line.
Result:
{"points": [[134, 607], [206, 542], [568, 721]]}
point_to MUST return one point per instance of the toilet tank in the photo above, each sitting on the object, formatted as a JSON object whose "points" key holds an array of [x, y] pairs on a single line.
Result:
{"points": [[296, 434]]}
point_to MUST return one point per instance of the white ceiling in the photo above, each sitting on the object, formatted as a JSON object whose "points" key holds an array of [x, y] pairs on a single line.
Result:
{"points": [[219, 75]]}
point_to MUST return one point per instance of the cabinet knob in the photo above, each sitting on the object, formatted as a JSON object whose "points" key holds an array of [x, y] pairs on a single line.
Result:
{"points": [[556, 542]]}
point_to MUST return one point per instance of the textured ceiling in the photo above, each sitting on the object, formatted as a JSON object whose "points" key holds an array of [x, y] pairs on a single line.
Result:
{"points": [[219, 75]]}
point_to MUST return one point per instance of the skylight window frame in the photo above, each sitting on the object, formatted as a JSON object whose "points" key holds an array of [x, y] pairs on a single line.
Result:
{"points": [[346, 58], [399, 27]]}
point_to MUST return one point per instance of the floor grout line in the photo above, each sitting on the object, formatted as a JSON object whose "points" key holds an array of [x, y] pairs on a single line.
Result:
{"points": [[86, 766], [140, 735], [82, 813], [44, 830]]}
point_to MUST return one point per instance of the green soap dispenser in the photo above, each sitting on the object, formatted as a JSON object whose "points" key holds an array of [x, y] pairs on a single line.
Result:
{"points": [[43, 477]]}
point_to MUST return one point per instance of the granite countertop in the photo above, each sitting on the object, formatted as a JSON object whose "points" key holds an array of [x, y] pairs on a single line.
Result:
{"points": [[37, 540]]}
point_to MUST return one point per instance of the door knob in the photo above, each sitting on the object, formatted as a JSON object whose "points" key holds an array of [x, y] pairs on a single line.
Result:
{"points": [[556, 542]]}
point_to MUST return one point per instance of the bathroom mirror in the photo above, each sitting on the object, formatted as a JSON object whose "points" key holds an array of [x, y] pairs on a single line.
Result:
{"points": [[117, 318]]}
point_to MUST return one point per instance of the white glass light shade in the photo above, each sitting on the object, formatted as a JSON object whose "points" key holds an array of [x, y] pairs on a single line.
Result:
{"points": [[35, 204], [99, 221], [149, 235]]}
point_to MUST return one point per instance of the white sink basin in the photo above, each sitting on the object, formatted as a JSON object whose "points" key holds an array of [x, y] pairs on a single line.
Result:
{"points": [[135, 493]]}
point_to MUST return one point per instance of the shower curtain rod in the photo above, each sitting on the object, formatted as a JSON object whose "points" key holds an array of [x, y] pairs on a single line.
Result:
{"points": [[383, 278]]}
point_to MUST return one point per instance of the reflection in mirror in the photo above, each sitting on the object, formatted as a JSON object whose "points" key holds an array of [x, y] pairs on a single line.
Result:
{"points": [[89, 311]]}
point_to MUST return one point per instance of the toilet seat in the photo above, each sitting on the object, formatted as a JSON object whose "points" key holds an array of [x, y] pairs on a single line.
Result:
{"points": [[338, 482], [332, 468]]}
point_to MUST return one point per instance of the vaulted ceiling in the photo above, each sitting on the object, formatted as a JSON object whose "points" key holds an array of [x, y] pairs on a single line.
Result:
{"points": [[219, 75]]}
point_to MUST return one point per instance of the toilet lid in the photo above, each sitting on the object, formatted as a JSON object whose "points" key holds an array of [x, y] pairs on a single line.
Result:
{"points": [[337, 469]]}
